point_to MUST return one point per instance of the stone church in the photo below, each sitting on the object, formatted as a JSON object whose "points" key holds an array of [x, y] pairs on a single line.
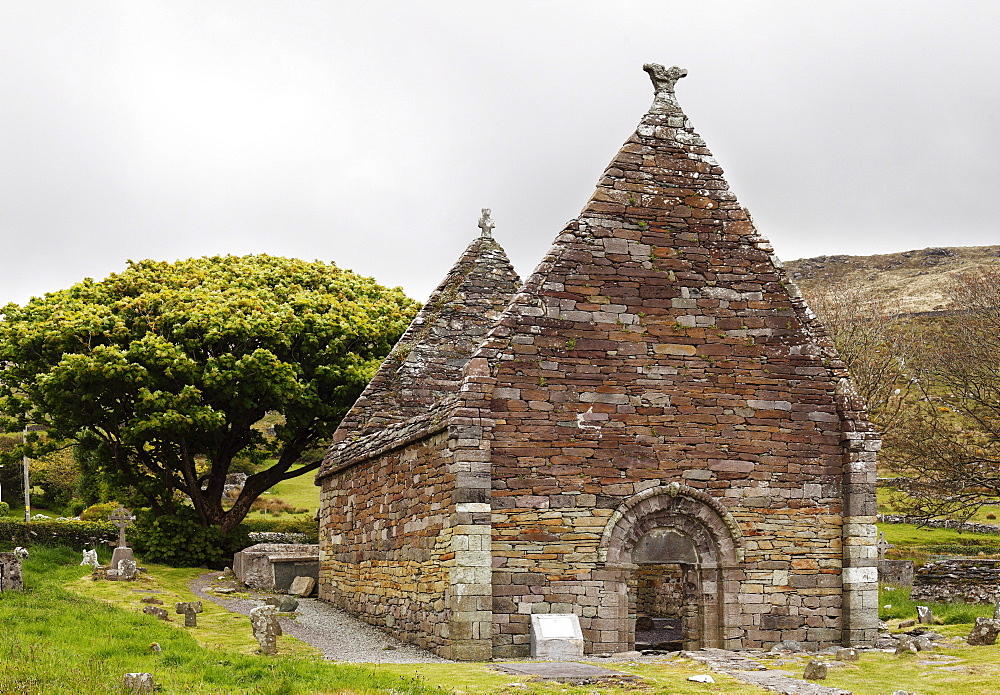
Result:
{"points": [[652, 432]]}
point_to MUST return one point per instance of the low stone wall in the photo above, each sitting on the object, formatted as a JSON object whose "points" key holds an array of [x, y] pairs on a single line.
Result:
{"points": [[939, 523], [896, 572], [972, 581]]}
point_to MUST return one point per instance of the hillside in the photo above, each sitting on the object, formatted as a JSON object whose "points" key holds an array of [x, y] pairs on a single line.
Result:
{"points": [[910, 280]]}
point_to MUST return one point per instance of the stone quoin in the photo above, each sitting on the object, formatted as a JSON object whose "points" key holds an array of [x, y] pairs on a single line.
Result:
{"points": [[653, 432]]}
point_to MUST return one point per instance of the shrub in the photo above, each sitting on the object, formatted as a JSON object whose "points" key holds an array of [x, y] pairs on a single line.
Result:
{"points": [[98, 512], [73, 534], [180, 540], [4, 509]]}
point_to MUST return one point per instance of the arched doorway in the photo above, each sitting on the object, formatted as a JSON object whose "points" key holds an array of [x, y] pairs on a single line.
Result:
{"points": [[672, 560]]}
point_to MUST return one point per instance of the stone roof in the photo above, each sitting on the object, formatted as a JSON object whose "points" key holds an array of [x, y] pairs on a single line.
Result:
{"points": [[662, 225], [410, 393]]}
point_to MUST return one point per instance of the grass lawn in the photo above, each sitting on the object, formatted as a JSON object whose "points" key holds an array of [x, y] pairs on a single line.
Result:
{"points": [[57, 642], [69, 634], [919, 543]]}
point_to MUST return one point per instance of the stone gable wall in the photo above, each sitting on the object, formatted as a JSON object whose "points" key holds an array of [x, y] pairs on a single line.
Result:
{"points": [[660, 342]]}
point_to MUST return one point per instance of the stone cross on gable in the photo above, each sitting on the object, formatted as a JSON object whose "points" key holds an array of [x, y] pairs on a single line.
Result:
{"points": [[883, 545], [121, 518], [486, 223]]}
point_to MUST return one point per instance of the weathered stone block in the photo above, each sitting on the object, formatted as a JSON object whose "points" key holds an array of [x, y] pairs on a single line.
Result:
{"points": [[556, 636]]}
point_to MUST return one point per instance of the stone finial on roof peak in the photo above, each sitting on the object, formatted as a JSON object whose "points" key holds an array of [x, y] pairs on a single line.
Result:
{"points": [[664, 80], [486, 223]]}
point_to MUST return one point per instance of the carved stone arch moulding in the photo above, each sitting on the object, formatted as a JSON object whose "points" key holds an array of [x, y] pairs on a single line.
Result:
{"points": [[674, 500]]}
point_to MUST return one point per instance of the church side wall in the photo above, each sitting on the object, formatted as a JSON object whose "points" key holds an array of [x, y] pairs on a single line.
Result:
{"points": [[387, 542]]}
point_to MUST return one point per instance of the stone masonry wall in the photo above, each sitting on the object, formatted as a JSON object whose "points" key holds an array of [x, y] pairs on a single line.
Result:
{"points": [[386, 542], [971, 581], [659, 342]]}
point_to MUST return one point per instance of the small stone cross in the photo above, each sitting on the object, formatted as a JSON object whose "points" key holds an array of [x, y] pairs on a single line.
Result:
{"points": [[190, 611], [121, 518], [883, 545], [486, 223]]}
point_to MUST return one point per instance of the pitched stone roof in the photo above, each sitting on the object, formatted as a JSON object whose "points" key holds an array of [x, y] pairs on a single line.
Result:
{"points": [[410, 392], [661, 297]]}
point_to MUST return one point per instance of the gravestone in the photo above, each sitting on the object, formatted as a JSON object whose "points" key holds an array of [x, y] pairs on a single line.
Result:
{"points": [[984, 632], [121, 518], [10, 572], [556, 636], [90, 558], [264, 622], [882, 545], [156, 611], [815, 671], [138, 683], [190, 611], [924, 615], [126, 569]]}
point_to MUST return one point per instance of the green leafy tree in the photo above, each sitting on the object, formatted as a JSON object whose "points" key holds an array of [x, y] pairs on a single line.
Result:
{"points": [[165, 369]]}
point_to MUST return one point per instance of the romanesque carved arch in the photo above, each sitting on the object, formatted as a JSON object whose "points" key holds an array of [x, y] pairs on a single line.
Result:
{"points": [[717, 541], [680, 506]]}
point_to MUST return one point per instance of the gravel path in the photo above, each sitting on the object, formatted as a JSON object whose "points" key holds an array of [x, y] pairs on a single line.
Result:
{"points": [[339, 636]]}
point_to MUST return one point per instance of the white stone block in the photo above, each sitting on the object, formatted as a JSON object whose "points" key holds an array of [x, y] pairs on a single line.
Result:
{"points": [[556, 636], [860, 575]]}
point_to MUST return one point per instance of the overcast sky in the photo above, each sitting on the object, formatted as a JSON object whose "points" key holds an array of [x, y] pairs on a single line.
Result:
{"points": [[371, 133]]}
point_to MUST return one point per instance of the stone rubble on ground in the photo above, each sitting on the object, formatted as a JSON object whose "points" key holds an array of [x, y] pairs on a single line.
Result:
{"points": [[753, 672], [984, 632], [815, 671], [302, 586], [284, 604], [847, 654]]}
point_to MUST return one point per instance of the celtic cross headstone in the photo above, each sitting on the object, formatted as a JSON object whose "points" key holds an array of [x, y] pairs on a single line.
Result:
{"points": [[882, 546], [121, 518]]}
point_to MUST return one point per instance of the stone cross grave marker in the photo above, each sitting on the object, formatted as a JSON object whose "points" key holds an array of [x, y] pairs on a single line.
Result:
{"points": [[883, 545], [486, 223], [121, 518], [190, 611], [266, 629]]}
